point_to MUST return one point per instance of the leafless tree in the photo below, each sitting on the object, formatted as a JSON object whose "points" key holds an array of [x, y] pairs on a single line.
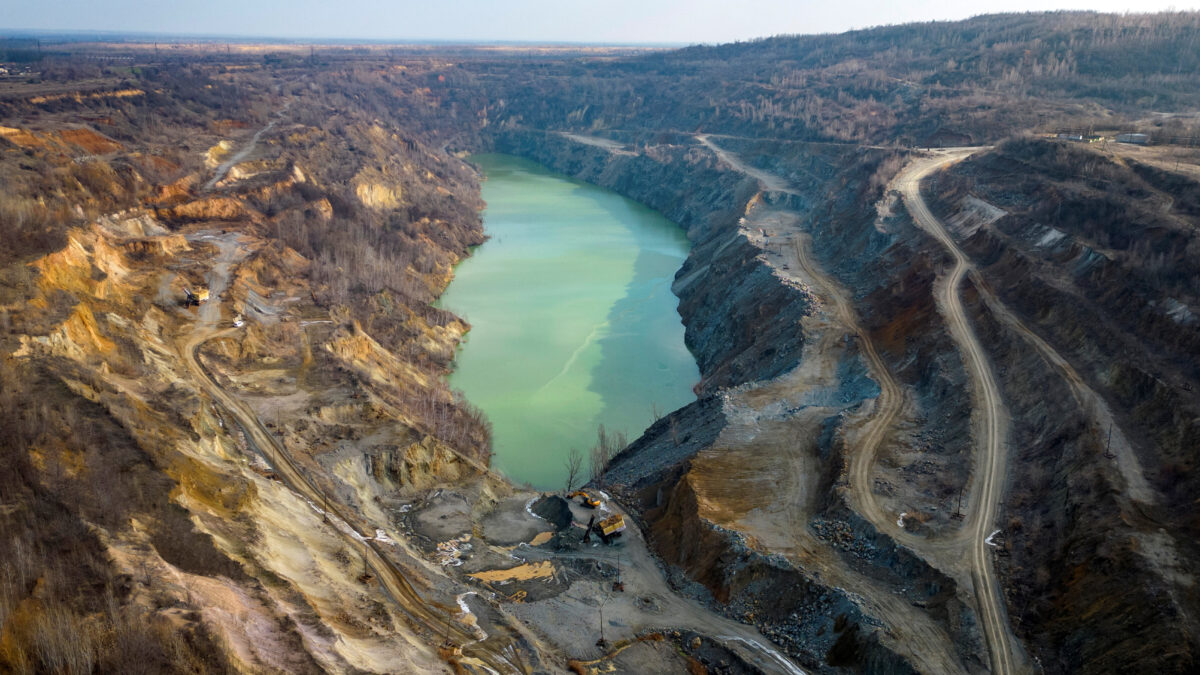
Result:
{"points": [[606, 447], [574, 466]]}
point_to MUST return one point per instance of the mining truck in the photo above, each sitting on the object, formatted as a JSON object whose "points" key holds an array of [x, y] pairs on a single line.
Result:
{"points": [[610, 528], [194, 298]]}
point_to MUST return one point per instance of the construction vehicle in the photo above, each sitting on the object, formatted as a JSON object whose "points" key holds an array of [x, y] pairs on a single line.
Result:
{"points": [[610, 528], [194, 298], [585, 499]]}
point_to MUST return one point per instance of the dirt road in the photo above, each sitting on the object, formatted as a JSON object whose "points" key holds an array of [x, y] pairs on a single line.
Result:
{"points": [[1091, 403], [495, 655], [761, 443], [244, 152], [770, 182], [887, 404], [598, 142], [992, 457]]}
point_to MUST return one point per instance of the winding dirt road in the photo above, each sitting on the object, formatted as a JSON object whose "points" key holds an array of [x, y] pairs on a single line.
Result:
{"points": [[887, 404], [494, 655], [992, 456], [770, 182], [244, 152], [991, 460]]}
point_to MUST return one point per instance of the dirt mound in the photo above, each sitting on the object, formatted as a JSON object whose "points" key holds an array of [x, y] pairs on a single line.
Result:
{"points": [[554, 509]]}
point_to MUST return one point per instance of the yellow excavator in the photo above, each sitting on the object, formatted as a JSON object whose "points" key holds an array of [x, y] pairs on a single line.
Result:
{"points": [[585, 499]]}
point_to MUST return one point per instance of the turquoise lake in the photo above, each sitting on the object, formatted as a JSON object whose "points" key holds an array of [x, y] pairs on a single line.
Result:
{"points": [[573, 322]]}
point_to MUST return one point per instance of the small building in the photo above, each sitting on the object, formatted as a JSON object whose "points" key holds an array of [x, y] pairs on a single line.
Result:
{"points": [[1135, 139], [1071, 137]]}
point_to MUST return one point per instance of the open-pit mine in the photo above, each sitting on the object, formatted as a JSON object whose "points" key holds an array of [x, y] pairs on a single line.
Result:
{"points": [[861, 353]]}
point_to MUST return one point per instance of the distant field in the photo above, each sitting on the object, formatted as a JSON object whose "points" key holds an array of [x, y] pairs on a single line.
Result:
{"points": [[21, 88]]}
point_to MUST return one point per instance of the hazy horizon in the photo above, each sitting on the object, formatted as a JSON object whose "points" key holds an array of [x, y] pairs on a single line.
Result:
{"points": [[651, 22]]}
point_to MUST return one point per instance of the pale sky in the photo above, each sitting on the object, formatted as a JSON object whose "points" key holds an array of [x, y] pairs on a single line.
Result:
{"points": [[604, 21]]}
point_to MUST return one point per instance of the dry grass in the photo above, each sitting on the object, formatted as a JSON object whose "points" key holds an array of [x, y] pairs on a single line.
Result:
{"points": [[62, 608]]}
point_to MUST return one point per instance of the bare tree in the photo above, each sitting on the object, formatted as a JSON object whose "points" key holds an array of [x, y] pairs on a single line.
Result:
{"points": [[655, 413], [606, 447], [574, 466], [599, 456]]}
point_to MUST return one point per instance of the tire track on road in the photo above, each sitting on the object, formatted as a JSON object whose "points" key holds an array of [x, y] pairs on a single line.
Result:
{"points": [[887, 404], [927, 643], [992, 460]]}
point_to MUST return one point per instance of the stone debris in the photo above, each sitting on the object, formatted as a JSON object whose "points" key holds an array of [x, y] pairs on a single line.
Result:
{"points": [[839, 534], [449, 553]]}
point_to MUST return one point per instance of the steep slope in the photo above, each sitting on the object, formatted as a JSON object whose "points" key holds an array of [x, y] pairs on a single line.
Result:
{"points": [[702, 468], [948, 414], [1061, 283], [717, 468]]}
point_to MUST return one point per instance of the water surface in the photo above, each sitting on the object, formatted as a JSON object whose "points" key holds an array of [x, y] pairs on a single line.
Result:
{"points": [[573, 320]]}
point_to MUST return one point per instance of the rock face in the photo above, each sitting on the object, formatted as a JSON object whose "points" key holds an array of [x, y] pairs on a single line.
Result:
{"points": [[744, 322], [1098, 513], [748, 322], [280, 479], [1083, 257]]}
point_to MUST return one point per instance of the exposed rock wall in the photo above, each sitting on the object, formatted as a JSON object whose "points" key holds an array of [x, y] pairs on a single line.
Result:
{"points": [[735, 310], [816, 624], [744, 324], [1088, 527]]}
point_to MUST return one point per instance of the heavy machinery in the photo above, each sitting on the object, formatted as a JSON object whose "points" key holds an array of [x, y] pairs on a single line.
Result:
{"points": [[194, 298], [585, 499], [611, 527]]}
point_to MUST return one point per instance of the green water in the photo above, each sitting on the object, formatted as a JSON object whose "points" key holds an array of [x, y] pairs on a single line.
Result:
{"points": [[573, 323]]}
